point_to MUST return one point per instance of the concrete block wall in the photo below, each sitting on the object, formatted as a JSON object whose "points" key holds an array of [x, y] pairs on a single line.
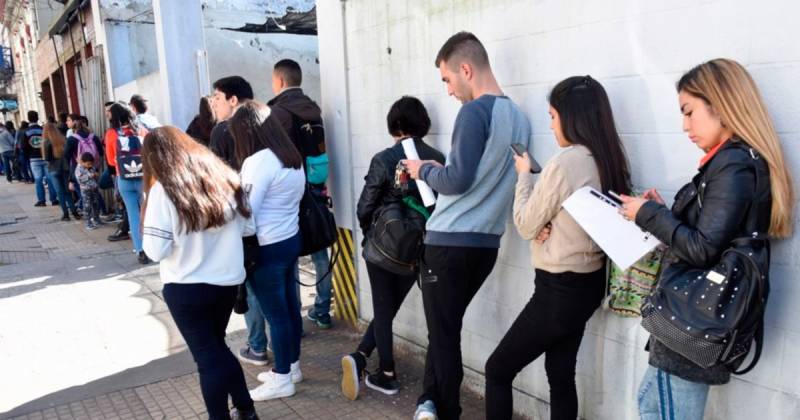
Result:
{"points": [[637, 50]]}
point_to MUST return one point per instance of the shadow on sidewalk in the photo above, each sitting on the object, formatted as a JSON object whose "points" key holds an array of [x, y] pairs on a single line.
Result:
{"points": [[175, 365]]}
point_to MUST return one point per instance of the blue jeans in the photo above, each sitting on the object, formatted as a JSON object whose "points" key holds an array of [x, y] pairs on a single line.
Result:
{"points": [[8, 157], [201, 312], [25, 168], [64, 196], [40, 176], [256, 325], [322, 303], [667, 397], [131, 192], [274, 287]]}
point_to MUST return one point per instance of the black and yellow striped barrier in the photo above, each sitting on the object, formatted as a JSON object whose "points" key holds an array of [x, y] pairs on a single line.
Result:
{"points": [[344, 278]]}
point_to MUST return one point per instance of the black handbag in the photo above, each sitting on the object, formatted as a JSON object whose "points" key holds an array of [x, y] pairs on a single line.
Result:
{"points": [[713, 316], [317, 224]]}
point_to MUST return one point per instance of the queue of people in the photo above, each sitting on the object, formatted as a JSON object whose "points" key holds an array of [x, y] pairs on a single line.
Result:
{"points": [[218, 208]]}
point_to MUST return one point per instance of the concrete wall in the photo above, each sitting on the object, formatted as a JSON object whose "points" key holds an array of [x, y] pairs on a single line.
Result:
{"points": [[146, 85], [252, 55], [637, 50], [132, 51]]}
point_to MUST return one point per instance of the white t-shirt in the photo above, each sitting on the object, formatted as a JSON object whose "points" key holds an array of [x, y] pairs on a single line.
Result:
{"points": [[213, 256], [274, 194]]}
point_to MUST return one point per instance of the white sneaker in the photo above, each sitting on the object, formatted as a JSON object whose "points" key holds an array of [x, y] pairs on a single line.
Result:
{"points": [[426, 411], [276, 385], [297, 374]]}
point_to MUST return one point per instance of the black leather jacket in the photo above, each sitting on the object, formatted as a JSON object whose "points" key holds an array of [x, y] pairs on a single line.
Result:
{"points": [[707, 214], [379, 181]]}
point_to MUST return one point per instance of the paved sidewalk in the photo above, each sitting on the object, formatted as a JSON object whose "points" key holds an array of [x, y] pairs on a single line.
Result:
{"points": [[86, 335]]}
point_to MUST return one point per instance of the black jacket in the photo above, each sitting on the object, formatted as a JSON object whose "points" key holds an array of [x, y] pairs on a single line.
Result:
{"points": [[379, 182], [707, 215], [294, 102]]}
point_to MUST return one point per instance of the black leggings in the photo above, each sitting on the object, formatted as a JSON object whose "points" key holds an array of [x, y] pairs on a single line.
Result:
{"points": [[201, 312], [551, 323], [388, 292]]}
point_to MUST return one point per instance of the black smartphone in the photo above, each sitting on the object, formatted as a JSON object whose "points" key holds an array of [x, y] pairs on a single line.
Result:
{"points": [[520, 150]]}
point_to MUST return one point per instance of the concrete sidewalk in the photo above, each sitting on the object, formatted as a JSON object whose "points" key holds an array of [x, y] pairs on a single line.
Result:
{"points": [[86, 335]]}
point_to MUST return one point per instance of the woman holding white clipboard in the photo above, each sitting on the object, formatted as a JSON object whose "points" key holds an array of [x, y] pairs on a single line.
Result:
{"points": [[570, 267]]}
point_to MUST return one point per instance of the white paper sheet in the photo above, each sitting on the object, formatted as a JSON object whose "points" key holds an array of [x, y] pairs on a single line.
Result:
{"points": [[428, 199], [598, 215]]}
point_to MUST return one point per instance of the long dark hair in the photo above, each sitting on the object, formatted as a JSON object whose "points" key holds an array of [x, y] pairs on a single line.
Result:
{"points": [[253, 131], [205, 119], [586, 119], [199, 184], [121, 115]]}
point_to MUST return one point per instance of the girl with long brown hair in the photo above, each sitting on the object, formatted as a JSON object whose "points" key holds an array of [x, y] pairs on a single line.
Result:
{"points": [[57, 168], [743, 178], [195, 215]]}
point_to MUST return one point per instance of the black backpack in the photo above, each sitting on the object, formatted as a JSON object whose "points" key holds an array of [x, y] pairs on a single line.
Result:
{"points": [[309, 137], [714, 316], [395, 239], [317, 224]]}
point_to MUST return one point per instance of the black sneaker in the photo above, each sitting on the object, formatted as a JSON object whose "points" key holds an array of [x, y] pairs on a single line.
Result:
{"points": [[237, 414], [40, 204], [76, 215], [119, 236], [65, 218], [352, 370], [55, 203], [323, 321], [383, 383], [143, 258]]}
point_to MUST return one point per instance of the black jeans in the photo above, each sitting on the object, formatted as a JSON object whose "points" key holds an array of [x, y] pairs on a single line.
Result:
{"points": [[551, 323], [201, 312], [449, 278], [388, 292]]}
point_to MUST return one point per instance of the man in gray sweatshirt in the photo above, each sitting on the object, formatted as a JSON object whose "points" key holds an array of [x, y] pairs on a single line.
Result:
{"points": [[476, 190]]}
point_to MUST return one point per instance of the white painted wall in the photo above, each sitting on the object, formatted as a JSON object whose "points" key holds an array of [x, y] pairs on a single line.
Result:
{"points": [[149, 85], [252, 55], [637, 50]]}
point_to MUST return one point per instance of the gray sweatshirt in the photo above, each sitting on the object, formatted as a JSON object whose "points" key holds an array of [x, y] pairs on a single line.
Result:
{"points": [[476, 186]]}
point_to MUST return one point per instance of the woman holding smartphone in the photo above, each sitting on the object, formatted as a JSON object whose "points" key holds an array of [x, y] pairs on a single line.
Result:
{"points": [[570, 267]]}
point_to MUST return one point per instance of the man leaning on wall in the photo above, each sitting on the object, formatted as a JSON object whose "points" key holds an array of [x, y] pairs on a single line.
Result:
{"points": [[476, 189]]}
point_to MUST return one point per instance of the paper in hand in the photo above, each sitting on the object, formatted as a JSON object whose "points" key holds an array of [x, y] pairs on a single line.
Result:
{"points": [[425, 191]]}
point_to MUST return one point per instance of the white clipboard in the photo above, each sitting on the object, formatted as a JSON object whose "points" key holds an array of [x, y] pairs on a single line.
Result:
{"points": [[598, 215]]}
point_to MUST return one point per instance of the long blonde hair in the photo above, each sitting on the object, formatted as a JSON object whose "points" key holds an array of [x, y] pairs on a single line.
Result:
{"points": [[731, 92], [56, 139]]}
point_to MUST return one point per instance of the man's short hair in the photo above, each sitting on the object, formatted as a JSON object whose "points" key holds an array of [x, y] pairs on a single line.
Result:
{"points": [[463, 46], [290, 72], [139, 104], [234, 86], [84, 120], [62, 117], [108, 104], [33, 116]]}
